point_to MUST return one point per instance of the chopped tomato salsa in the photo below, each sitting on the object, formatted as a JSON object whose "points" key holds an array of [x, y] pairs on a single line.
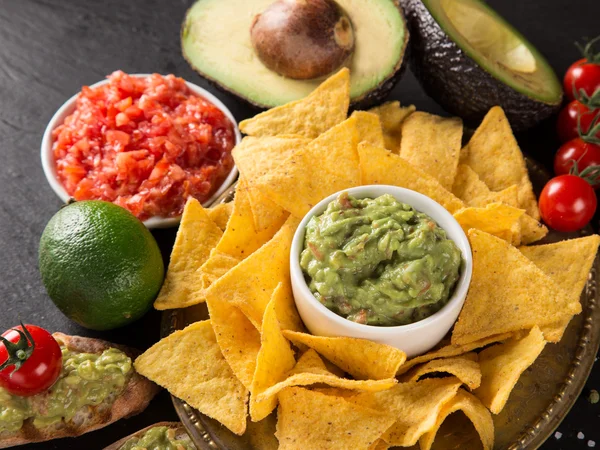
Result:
{"points": [[146, 144]]}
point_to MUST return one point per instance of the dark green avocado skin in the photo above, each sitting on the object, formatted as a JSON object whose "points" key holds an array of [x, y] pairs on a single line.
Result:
{"points": [[457, 82]]}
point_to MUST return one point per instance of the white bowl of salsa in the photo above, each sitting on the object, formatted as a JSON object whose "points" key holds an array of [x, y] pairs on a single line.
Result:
{"points": [[162, 179], [414, 338]]}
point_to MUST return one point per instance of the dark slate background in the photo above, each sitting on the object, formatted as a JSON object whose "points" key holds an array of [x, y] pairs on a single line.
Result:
{"points": [[50, 48]]}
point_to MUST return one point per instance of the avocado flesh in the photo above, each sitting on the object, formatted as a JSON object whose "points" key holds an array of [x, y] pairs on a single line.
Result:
{"points": [[496, 43], [216, 42], [469, 59], [497, 47]]}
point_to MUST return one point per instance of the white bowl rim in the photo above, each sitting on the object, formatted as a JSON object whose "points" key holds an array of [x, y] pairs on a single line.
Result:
{"points": [[68, 107], [460, 290]]}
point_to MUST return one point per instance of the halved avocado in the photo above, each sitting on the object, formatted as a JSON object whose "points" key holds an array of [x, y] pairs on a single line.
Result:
{"points": [[216, 41], [469, 59]]}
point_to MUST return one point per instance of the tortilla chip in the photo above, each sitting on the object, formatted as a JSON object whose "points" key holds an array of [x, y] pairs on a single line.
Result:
{"points": [[311, 362], [554, 332], [250, 284], [326, 422], [449, 350], [241, 238], [467, 184], [335, 392], [378, 166], [256, 157], [465, 368], [189, 364], [331, 367], [568, 263], [369, 128], [291, 136], [415, 407], [474, 192], [496, 218], [322, 109], [508, 196], [196, 237], [220, 214], [310, 369], [264, 210], [275, 359], [507, 293], [305, 379], [380, 445], [326, 165], [493, 153], [261, 435], [237, 337], [432, 143], [531, 230], [392, 115], [288, 316], [474, 410], [503, 364], [363, 359], [217, 265]]}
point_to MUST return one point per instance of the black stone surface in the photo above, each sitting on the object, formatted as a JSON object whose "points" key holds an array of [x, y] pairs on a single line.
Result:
{"points": [[50, 48]]}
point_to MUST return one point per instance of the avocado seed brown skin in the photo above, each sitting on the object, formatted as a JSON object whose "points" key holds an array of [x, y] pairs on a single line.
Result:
{"points": [[303, 39]]}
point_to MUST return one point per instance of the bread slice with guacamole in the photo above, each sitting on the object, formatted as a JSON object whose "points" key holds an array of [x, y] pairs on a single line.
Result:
{"points": [[97, 386], [160, 435]]}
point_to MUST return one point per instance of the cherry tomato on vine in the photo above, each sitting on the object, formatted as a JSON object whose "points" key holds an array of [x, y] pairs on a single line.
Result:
{"points": [[585, 153], [568, 118], [583, 74], [567, 203], [30, 360]]}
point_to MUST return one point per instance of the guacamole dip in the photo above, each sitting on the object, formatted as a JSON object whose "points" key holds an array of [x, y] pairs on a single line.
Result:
{"points": [[378, 261], [86, 379], [159, 438]]}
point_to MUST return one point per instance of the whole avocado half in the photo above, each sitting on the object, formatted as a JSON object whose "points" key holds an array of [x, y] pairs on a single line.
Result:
{"points": [[467, 83], [215, 40]]}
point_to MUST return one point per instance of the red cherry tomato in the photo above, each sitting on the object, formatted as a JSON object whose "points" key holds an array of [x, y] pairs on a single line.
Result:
{"points": [[567, 120], [581, 75], [586, 154], [567, 203], [36, 357]]}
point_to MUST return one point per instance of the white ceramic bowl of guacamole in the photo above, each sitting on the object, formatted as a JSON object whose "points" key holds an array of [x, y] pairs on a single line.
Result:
{"points": [[413, 338]]}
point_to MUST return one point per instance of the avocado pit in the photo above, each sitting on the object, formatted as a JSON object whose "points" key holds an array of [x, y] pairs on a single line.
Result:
{"points": [[303, 39]]}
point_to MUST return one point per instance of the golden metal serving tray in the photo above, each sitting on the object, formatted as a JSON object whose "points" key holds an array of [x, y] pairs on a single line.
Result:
{"points": [[542, 398]]}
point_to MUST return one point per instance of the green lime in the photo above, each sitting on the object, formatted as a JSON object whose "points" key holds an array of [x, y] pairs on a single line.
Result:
{"points": [[100, 265]]}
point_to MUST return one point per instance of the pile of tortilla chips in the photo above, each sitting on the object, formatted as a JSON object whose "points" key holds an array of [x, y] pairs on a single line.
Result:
{"points": [[253, 357]]}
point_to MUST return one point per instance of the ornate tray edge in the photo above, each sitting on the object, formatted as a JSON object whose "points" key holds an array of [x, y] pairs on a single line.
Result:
{"points": [[580, 369]]}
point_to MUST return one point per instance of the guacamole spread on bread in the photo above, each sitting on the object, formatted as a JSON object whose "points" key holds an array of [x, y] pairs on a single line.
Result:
{"points": [[85, 379], [159, 438]]}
